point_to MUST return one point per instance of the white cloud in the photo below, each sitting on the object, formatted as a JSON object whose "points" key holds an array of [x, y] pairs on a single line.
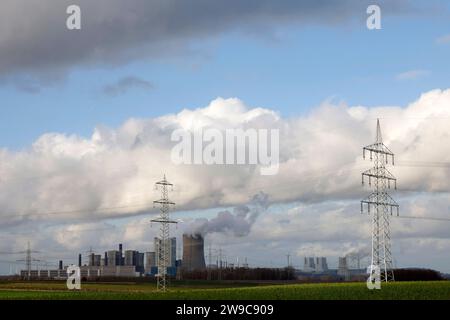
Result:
{"points": [[76, 180], [412, 74], [320, 160]]}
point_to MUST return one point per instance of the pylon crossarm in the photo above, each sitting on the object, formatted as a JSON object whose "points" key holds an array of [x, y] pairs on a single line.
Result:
{"points": [[379, 174], [164, 183], [163, 221], [378, 148], [163, 201]]}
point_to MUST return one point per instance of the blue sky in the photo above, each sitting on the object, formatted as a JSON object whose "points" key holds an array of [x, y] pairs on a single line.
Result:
{"points": [[291, 70]]}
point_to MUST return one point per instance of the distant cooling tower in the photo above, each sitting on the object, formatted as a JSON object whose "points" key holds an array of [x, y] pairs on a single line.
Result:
{"points": [[193, 253]]}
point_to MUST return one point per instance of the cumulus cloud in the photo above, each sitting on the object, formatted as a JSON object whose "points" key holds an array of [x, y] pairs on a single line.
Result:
{"points": [[78, 181], [111, 173], [115, 31], [125, 84]]}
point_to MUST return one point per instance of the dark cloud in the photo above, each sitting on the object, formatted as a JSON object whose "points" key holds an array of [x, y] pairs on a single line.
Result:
{"points": [[34, 38], [125, 84]]}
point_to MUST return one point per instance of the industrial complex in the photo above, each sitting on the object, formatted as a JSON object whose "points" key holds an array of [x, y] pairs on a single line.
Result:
{"points": [[129, 263]]}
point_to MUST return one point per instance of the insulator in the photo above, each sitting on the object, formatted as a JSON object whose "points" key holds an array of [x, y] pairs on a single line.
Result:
{"points": [[371, 155], [389, 183], [364, 154], [392, 159], [370, 181], [368, 208], [362, 209], [391, 210], [395, 184], [398, 212], [362, 179], [386, 159]]}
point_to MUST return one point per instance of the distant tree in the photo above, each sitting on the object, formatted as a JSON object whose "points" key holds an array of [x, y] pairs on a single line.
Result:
{"points": [[417, 275]]}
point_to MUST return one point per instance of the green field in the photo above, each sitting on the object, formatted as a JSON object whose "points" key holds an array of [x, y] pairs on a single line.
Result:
{"points": [[201, 290]]}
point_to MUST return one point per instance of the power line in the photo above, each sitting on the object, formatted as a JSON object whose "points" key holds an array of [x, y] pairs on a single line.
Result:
{"points": [[31, 214], [424, 218], [424, 164]]}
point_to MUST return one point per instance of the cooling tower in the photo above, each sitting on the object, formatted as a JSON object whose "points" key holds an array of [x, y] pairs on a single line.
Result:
{"points": [[193, 254]]}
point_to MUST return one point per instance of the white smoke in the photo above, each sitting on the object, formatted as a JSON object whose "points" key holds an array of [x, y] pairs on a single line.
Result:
{"points": [[238, 222], [360, 252]]}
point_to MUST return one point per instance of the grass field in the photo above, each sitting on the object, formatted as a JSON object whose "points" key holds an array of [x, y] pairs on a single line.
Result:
{"points": [[347, 291]]}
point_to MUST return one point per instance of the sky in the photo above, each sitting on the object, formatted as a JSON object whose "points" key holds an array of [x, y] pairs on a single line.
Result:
{"points": [[75, 104]]}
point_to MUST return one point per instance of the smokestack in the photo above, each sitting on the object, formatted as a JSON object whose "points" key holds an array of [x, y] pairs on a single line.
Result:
{"points": [[120, 255], [106, 258], [60, 264], [193, 252], [79, 259]]}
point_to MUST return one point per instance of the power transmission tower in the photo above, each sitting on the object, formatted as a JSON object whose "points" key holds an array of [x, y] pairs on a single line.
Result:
{"points": [[164, 221], [28, 259], [382, 205], [209, 263], [219, 274]]}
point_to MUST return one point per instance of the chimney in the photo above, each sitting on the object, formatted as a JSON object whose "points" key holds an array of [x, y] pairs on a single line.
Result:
{"points": [[120, 262], [106, 258], [79, 259], [60, 264]]}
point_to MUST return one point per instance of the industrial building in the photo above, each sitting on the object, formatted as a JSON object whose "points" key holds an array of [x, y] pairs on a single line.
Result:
{"points": [[132, 263], [114, 263], [321, 264], [309, 264], [150, 261], [172, 245], [318, 268], [152, 258], [317, 265]]}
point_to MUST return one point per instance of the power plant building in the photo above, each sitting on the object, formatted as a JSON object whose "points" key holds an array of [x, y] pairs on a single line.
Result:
{"points": [[94, 260], [150, 261], [316, 265], [113, 258], [309, 264], [321, 265], [172, 246]]}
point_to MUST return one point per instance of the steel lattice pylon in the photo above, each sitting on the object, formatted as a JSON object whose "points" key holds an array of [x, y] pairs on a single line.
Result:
{"points": [[163, 219], [382, 205]]}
